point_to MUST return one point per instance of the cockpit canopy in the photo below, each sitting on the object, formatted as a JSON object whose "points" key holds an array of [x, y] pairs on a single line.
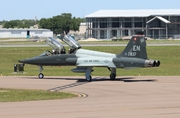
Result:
{"points": [[71, 42], [58, 48], [54, 44]]}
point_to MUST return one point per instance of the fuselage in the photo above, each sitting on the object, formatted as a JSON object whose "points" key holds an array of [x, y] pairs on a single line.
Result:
{"points": [[66, 59], [86, 58]]}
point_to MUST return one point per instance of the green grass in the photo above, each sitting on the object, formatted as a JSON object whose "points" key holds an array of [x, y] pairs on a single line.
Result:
{"points": [[168, 55], [19, 95], [29, 41]]}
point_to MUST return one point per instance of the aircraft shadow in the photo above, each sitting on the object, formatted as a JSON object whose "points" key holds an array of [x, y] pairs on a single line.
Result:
{"points": [[99, 79], [67, 86], [81, 81], [125, 79]]}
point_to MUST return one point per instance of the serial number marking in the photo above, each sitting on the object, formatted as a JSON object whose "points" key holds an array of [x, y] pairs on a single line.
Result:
{"points": [[132, 54]]}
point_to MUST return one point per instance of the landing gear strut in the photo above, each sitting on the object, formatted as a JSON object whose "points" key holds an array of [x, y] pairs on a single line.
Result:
{"points": [[41, 76], [87, 75], [113, 73]]}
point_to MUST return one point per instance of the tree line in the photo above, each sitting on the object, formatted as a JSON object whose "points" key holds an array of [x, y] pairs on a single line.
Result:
{"points": [[58, 24], [18, 23]]}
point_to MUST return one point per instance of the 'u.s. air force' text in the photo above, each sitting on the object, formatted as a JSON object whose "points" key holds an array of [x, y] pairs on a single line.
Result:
{"points": [[91, 60]]}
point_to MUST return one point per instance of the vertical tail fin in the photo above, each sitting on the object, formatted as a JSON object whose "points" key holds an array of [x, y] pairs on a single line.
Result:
{"points": [[136, 48]]}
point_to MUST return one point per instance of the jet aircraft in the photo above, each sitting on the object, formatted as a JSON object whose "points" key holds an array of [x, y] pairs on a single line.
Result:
{"points": [[133, 56]]}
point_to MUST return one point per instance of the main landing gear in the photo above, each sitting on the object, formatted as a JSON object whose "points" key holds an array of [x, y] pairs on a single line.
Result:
{"points": [[41, 76], [113, 73], [89, 70], [87, 74]]}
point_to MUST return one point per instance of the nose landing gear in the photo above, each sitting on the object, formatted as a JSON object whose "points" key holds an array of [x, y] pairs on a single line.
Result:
{"points": [[41, 76]]}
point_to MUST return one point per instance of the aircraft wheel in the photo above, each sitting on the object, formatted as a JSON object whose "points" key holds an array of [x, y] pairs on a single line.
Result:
{"points": [[112, 76], [89, 78], [41, 76]]}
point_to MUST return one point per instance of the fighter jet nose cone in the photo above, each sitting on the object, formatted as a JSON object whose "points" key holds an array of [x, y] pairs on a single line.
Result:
{"points": [[21, 61], [28, 61]]}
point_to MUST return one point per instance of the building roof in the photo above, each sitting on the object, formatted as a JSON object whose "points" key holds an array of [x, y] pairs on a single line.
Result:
{"points": [[22, 29], [134, 13], [160, 18]]}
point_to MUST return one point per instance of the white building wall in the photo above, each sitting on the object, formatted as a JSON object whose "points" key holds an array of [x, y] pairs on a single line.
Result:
{"points": [[82, 28], [47, 34], [4, 34], [22, 33]]}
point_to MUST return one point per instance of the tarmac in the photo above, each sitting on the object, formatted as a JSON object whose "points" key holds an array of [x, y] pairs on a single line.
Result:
{"points": [[125, 97]]}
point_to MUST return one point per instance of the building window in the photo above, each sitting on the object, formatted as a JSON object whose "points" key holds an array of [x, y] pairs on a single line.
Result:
{"points": [[103, 19], [15, 32], [127, 24], [115, 25], [127, 19], [138, 24], [103, 25], [115, 19], [138, 19], [95, 25]]}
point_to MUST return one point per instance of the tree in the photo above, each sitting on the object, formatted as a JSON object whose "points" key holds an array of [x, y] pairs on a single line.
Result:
{"points": [[10, 24], [75, 24], [61, 23], [19, 23], [2, 22]]}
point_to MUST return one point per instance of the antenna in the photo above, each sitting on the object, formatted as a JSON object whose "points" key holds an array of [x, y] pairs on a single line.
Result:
{"points": [[35, 20]]}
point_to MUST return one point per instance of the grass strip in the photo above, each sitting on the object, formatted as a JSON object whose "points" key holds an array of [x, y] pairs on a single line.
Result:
{"points": [[168, 55], [19, 95]]}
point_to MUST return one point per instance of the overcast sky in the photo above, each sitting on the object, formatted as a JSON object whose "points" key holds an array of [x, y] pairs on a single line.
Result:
{"points": [[29, 9]]}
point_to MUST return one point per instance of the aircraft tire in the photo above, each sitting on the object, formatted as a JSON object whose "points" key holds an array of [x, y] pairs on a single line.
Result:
{"points": [[89, 78], [41, 76], [112, 76]]}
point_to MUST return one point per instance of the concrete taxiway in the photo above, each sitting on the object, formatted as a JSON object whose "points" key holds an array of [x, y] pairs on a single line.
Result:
{"points": [[127, 97]]}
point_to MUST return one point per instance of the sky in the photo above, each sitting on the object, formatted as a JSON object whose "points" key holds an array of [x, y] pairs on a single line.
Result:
{"points": [[31, 9]]}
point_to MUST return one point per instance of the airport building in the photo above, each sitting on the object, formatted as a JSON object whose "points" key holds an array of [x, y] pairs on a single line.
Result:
{"points": [[25, 33], [156, 24]]}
